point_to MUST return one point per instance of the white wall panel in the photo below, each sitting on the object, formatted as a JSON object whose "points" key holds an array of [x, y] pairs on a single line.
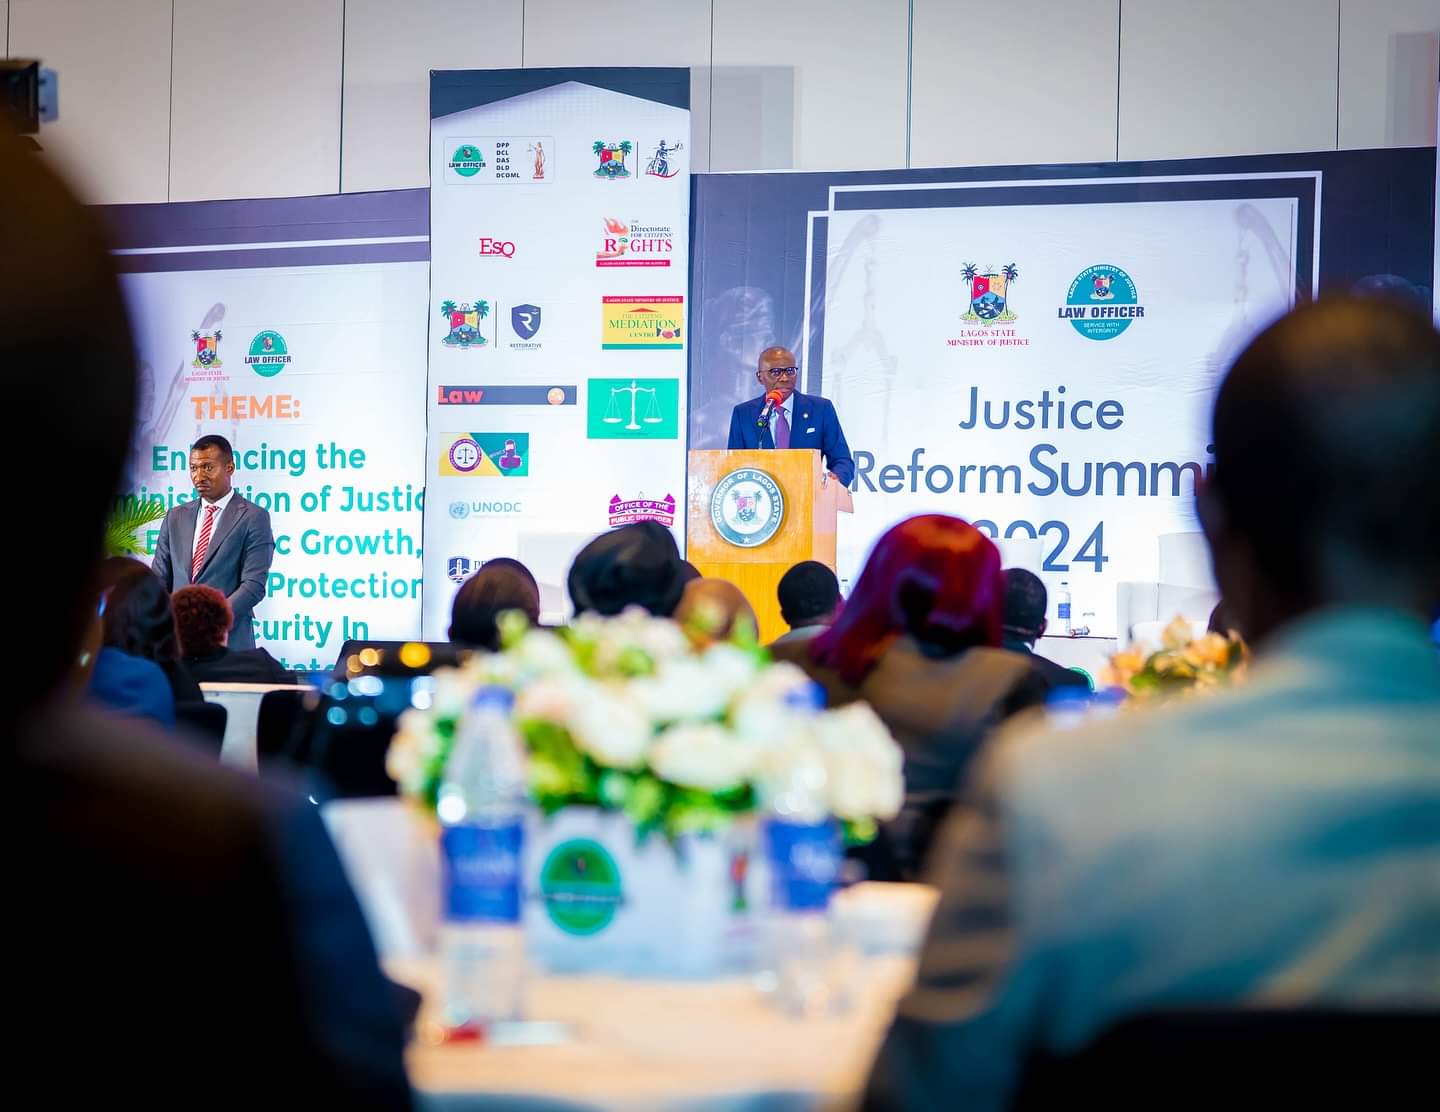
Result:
{"points": [[809, 84], [1389, 58], [1041, 90], [629, 33], [256, 107], [390, 49], [5, 28], [1227, 77], [113, 62]]}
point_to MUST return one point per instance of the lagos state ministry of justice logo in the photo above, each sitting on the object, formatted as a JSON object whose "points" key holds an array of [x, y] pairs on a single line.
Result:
{"points": [[747, 507]]}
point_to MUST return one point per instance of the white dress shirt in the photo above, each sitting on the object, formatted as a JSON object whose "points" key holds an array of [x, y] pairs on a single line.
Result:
{"points": [[219, 505]]}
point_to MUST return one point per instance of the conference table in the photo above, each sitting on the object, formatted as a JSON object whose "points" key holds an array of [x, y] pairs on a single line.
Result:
{"points": [[602, 1042], [638, 1045]]}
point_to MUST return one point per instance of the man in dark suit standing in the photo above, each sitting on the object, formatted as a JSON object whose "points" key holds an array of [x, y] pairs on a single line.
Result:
{"points": [[219, 539], [1025, 603], [793, 420]]}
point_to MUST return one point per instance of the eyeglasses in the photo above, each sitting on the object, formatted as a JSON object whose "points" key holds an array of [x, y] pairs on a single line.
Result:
{"points": [[781, 372]]}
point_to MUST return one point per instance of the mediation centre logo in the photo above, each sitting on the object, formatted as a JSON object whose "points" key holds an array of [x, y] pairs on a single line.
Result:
{"points": [[628, 511], [632, 409], [747, 507], [485, 455], [268, 354], [1102, 302], [629, 243], [466, 321], [611, 155], [634, 323]]}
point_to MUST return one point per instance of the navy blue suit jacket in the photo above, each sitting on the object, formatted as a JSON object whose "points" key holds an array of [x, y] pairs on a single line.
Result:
{"points": [[813, 425]]}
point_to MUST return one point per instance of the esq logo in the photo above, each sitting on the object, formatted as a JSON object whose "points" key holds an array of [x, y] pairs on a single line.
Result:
{"points": [[503, 247]]}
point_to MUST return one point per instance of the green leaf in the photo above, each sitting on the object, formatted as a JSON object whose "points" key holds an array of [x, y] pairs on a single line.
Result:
{"points": [[127, 518]]}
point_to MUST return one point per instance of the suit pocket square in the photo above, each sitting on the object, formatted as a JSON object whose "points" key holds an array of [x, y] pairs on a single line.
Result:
{"points": [[810, 430]]}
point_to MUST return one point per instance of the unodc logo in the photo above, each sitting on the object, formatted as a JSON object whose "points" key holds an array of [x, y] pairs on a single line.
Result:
{"points": [[747, 507], [459, 510]]}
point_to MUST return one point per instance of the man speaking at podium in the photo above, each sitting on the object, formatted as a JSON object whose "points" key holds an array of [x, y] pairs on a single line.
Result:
{"points": [[781, 418]]}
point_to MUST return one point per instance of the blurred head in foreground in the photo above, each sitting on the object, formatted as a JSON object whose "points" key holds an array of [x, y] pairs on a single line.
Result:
{"points": [[809, 595], [1327, 449], [202, 619], [634, 565], [715, 610], [54, 261], [934, 578], [138, 617], [1025, 603], [501, 584]]}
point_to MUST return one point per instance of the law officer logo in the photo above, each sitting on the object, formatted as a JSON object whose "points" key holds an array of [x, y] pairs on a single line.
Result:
{"points": [[747, 507], [1102, 302]]}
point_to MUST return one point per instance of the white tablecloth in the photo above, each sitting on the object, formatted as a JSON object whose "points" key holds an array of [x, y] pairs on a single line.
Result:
{"points": [[642, 1045], [634, 1045], [242, 707]]}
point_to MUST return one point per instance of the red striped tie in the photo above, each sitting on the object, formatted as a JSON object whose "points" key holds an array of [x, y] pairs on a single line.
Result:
{"points": [[203, 543]]}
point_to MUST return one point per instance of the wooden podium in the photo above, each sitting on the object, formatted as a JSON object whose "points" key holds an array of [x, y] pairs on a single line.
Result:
{"points": [[747, 556]]}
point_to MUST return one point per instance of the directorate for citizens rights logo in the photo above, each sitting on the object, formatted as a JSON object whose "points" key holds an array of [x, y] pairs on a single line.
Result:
{"points": [[747, 507], [1102, 302], [268, 354]]}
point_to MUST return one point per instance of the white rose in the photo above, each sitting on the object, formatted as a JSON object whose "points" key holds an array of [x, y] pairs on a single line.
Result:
{"points": [[792, 777], [552, 699], [411, 750], [610, 728], [704, 756], [683, 690], [761, 716], [731, 670], [450, 692], [662, 639], [865, 765], [542, 653]]}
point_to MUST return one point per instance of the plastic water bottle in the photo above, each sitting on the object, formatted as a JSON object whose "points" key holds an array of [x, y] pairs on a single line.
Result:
{"points": [[482, 810], [1063, 613], [804, 855]]}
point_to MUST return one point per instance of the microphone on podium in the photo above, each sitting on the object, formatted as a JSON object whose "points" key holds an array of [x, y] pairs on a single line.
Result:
{"points": [[772, 403]]}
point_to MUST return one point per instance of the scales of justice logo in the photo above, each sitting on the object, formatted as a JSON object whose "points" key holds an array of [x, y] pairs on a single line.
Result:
{"points": [[747, 507], [990, 301], [615, 411]]}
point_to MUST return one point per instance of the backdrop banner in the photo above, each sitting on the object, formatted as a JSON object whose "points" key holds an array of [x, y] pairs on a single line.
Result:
{"points": [[1036, 348], [559, 216], [295, 329]]}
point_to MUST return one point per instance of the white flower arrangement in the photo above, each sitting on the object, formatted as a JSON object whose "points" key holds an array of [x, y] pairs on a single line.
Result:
{"points": [[626, 714]]}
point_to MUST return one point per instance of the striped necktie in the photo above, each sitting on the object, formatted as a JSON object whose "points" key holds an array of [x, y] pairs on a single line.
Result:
{"points": [[204, 542]]}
